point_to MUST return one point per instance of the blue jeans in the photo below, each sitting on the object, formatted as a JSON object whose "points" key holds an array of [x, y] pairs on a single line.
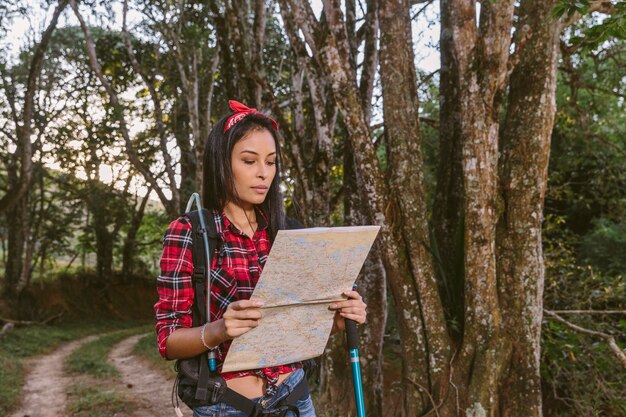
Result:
{"points": [[304, 404]]}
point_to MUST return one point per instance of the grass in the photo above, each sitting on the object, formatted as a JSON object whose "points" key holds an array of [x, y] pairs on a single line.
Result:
{"points": [[147, 349], [91, 358], [93, 401], [11, 378], [93, 395], [24, 343]]}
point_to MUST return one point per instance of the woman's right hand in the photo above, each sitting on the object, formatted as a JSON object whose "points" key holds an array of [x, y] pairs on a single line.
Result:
{"points": [[241, 316]]}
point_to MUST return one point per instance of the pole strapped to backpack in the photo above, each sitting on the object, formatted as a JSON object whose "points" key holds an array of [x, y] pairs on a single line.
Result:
{"points": [[195, 197]]}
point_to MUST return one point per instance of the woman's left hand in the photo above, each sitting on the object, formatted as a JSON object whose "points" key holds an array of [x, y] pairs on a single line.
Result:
{"points": [[353, 308]]}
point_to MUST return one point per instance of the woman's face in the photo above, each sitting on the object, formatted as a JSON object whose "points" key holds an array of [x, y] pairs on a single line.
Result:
{"points": [[253, 162]]}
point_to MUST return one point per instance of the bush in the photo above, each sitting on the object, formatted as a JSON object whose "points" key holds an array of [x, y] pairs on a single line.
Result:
{"points": [[603, 247]]}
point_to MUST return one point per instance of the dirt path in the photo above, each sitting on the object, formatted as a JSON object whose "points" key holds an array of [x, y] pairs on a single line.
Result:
{"points": [[149, 389], [44, 392]]}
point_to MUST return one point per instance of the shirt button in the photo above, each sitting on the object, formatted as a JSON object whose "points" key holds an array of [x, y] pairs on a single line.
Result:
{"points": [[263, 403]]}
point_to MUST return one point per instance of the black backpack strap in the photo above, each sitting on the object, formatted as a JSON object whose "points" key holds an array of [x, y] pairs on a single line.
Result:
{"points": [[199, 261], [199, 279], [254, 409]]}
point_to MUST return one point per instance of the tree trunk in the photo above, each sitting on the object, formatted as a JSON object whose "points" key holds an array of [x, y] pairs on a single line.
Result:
{"points": [[15, 247], [481, 52], [448, 202], [129, 251], [26, 271], [104, 243], [400, 105], [372, 285], [188, 163], [488, 210], [311, 141], [523, 179], [311, 146], [382, 210]]}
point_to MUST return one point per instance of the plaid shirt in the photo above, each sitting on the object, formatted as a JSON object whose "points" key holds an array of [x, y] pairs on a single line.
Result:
{"points": [[236, 267]]}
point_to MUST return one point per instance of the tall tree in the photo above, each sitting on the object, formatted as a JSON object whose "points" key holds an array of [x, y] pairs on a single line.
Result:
{"points": [[119, 112], [20, 164], [489, 221], [24, 145]]}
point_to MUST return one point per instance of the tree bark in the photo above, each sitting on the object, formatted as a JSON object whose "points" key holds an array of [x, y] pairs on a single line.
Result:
{"points": [[465, 373], [382, 210], [26, 271], [448, 201], [15, 242], [480, 52], [129, 250], [400, 105], [372, 285], [523, 180]]}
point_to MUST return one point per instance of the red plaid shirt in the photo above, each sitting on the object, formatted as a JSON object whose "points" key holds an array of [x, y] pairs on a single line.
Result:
{"points": [[236, 267]]}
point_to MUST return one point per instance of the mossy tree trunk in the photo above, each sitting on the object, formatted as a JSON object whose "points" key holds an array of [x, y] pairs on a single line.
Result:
{"points": [[464, 371]]}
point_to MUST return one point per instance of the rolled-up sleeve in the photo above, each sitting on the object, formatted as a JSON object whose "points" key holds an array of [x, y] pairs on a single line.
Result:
{"points": [[174, 284]]}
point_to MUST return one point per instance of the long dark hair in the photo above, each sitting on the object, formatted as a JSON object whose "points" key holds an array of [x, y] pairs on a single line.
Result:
{"points": [[218, 184]]}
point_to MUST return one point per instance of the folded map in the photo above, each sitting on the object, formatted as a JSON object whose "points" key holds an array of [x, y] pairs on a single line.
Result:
{"points": [[307, 269]]}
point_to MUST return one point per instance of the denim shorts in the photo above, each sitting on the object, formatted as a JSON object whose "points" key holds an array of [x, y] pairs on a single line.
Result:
{"points": [[304, 404]]}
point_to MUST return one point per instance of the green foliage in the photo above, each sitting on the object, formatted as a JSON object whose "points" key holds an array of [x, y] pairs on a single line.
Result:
{"points": [[579, 371], [573, 285], [586, 173], [583, 232], [603, 247], [91, 358], [581, 375], [594, 35], [11, 379], [147, 349], [148, 245]]}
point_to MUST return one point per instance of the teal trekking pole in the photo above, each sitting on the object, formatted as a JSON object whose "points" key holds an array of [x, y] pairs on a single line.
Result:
{"points": [[195, 198], [353, 349]]}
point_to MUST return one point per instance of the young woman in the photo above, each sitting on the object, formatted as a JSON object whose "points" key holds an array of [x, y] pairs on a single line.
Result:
{"points": [[241, 189]]}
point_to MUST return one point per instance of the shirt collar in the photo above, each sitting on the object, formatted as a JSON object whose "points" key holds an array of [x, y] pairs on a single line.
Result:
{"points": [[223, 225]]}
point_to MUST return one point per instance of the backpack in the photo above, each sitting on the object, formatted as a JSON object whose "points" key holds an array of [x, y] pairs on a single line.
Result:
{"points": [[195, 385]]}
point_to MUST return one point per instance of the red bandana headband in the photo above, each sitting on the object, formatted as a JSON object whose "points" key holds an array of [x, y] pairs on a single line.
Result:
{"points": [[241, 111]]}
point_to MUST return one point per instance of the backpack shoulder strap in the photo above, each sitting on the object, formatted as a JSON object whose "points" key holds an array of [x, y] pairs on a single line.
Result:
{"points": [[199, 260]]}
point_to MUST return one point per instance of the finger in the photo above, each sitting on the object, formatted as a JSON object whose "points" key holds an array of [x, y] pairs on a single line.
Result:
{"points": [[352, 294], [239, 327], [348, 303], [250, 314], [352, 310], [238, 331], [356, 317], [247, 314], [240, 324], [244, 304]]}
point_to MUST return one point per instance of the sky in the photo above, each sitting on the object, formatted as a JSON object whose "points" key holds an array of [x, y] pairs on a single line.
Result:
{"points": [[425, 38]]}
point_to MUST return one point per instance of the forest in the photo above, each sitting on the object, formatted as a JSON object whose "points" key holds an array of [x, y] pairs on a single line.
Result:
{"points": [[486, 138]]}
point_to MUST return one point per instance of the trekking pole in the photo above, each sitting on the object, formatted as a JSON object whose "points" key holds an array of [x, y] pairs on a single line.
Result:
{"points": [[353, 349], [195, 198]]}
